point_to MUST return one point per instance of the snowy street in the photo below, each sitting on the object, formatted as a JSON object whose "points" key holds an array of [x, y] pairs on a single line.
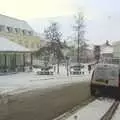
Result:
{"points": [[40, 98], [23, 81], [31, 80], [31, 94]]}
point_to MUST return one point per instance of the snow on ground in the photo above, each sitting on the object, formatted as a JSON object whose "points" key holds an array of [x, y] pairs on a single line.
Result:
{"points": [[93, 111], [31, 80], [23, 81], [117, 114]]}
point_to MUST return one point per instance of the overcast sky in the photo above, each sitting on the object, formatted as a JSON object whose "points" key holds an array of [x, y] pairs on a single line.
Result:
{"points": [[27, 9], [104, 14]]}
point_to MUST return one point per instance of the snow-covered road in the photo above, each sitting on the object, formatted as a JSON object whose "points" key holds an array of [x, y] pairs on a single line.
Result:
{"points": [[93, 111], [29, 96], [31, 80], [55, 97]]}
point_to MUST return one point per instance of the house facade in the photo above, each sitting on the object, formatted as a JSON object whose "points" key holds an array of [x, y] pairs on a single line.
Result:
{"points": [[19, 32], [14, 57], [116, 49]]}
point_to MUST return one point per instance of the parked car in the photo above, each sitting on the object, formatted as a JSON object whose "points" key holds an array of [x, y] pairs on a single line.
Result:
{"points": [[45, 70], [77, 69]]}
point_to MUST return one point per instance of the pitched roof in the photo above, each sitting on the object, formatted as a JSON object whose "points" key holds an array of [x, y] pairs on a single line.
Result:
{"points": [[9, 46], [13, 22]]}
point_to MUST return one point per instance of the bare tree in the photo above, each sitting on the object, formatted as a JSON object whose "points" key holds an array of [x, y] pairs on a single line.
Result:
{"points": [[79, 30]]}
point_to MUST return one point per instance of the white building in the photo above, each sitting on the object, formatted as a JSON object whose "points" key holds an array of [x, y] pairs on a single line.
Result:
{"points": [[13, 57], [106, 50], [116, 49], [19, 31]]}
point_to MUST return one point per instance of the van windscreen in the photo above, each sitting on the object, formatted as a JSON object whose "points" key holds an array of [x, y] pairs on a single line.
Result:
{"points": [[106, 73]]}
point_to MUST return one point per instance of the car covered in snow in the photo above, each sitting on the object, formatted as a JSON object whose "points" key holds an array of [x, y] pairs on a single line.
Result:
{"points": [[77, 69], [48, 70]]}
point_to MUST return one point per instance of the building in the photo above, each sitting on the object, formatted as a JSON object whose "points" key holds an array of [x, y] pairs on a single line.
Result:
{"points": [[19, 32], [13, 57], [110, 53], [116, 49], [106, 50]]}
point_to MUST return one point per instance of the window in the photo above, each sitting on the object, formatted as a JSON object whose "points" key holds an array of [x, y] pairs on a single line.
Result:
{"points": [[38, 45], [2, 28], [106, 74], [23, 31], [17, 30], [20, 41], [30, 33], [9, 29], [32, 45], [35, 46], [26, 46]]}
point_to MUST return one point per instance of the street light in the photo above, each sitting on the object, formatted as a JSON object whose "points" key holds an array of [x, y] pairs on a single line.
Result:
{"points": [[67, 59]]}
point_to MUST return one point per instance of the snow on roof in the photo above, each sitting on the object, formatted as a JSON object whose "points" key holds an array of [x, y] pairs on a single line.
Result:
{"points": [[107, 49], [116, 43], [15, 23], [9, 46]]}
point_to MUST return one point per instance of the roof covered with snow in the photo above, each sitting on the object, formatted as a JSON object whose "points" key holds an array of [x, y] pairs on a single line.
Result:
{"points": [[9, 46], [116, 43], [15, 23], [107, 49]]}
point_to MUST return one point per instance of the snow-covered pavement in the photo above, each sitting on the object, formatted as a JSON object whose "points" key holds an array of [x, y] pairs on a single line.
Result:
{"points": [[93, 111], [116, 116]]}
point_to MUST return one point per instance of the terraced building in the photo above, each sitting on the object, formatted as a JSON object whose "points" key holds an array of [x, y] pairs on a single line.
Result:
{"points": [[18, 31], [17, 42]]}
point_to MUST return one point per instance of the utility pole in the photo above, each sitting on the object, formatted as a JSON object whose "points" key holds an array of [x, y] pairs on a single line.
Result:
{"points": [[78, 52], [67, 60], [79, 30]]}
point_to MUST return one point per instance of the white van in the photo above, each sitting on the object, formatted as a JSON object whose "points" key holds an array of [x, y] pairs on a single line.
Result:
{"points": [[105, 79]]}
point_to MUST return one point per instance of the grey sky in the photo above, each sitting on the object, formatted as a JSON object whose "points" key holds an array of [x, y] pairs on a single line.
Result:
{"points": [[102, 16], [102, 20]]}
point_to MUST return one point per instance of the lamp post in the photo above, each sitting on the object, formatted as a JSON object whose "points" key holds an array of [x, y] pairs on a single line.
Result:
{"points": [[67, 62]]}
